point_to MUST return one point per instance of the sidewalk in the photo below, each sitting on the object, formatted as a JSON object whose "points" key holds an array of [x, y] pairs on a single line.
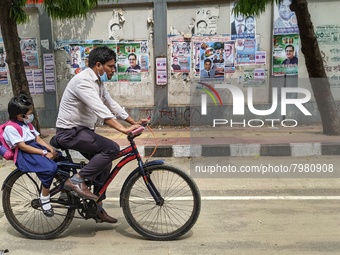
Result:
{"points": [[226, 141]]}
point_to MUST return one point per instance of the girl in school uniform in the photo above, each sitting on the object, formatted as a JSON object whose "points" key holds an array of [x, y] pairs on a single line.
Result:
{"points": [[33, 153]]}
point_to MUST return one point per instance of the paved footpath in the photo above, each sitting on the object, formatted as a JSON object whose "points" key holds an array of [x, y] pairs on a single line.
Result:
{"points": [[226, 141]]}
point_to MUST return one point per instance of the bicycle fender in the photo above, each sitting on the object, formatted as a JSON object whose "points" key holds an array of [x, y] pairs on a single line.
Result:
{"points": [[149, 163], [8, 177]]}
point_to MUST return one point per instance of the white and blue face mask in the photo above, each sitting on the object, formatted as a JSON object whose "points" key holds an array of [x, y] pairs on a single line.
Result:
{"points": [[30, 118], [103, 78]]}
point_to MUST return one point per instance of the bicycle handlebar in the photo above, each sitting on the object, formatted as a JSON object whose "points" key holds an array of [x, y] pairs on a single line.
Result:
{"points": [[139, 130]]}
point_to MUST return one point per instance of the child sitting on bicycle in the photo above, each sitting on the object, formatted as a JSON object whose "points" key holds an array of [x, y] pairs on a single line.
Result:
{"points": [[34, 154]]}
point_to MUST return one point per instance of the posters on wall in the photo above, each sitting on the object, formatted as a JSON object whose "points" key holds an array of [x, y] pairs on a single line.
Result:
{"points": [[254, 77], [260, 57], [242, 26], [49, 72], [229, 54], [35, 80], [128, 61], [212, 60], [206, 21], [180, 57], [285, 40], [285, 54], [285, 21], [161, 73], [216, 58], [245, 51], [328, 39], [132, 57], [29, 52], [211, 56], [328, 34], [30, 57]]}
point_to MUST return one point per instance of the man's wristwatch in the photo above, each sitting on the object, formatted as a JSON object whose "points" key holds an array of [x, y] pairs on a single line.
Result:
{"points": [[44, 153]]}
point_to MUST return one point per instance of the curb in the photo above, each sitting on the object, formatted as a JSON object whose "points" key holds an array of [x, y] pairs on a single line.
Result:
{"points": [[237, 150]]}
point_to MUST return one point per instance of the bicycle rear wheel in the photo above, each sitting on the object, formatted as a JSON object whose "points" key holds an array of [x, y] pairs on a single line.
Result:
{"points": [[178, 211], [20, 200]]}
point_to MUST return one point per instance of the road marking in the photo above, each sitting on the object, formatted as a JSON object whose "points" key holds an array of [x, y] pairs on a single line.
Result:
{"points": [[239, 198], [218, 198]]}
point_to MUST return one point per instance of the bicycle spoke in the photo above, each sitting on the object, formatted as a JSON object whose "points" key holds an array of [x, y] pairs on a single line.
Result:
{"points": [[23, 210], [174, 215]]}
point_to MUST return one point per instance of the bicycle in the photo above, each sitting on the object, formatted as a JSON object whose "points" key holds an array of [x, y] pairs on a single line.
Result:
{"points": [[159, 201]]}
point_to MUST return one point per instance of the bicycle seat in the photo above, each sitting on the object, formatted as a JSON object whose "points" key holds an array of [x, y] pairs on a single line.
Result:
{"points": [[56, 144]]}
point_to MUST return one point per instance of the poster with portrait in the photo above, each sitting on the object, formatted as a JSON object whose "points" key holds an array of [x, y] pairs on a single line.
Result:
{"points": [[115, 28], [129, 61], [229, 57], [197, 57], [206, 21], [245, 51], [29, 52], [285, 21], [285, 54], [180, 57], [211, 60], [144, 57], [242, 27], [76, 61]]}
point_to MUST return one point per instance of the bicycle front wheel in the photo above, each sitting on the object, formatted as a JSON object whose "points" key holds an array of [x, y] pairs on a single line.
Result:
{"points": [[20, 200], [175, 216]]}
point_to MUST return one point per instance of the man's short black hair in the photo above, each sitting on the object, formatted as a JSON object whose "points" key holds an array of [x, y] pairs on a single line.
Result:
{"points": [[132, 54], [289, 45], [207, 60], [102, 55]]}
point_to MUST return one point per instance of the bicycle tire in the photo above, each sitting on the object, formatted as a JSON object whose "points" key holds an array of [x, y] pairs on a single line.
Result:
{"points": [[171, 220], [19, 195]]}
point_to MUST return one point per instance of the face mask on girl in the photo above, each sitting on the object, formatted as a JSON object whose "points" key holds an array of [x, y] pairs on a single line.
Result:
{"points": [[29, 119], [103, 78]]}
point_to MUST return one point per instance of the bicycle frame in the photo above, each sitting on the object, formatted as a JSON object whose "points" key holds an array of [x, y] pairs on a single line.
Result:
{"points": [[131, 153]]}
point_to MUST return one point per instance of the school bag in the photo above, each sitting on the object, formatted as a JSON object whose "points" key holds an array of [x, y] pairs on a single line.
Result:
{"points": [[5, 151]]}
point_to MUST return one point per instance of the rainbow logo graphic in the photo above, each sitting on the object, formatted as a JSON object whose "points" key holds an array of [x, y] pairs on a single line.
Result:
{"points": [[208, 89]]}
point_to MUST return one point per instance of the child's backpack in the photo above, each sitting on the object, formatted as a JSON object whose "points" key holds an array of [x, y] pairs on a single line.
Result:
{"points": [[5, 151]]}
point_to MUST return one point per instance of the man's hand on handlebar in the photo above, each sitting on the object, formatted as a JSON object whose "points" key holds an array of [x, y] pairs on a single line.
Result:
{"points": [[131, 128]]}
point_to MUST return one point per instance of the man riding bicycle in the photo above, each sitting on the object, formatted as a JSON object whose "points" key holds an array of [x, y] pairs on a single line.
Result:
{"points": [[85, 102]]}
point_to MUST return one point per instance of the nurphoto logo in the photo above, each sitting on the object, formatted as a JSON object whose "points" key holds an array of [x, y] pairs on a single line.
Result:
{"points": [[239, 105]]}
